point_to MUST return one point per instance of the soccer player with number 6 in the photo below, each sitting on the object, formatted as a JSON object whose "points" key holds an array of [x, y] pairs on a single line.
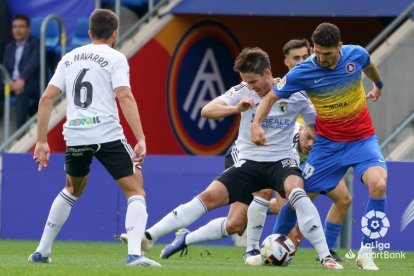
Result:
{"points": [[92, 76]]}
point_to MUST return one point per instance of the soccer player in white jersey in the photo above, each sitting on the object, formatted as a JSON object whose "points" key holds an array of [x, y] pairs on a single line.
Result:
{"points": [[92, 77], [274, 166]]}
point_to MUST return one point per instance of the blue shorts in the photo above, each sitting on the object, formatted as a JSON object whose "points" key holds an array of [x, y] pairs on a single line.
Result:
{"points": [[328, 161]]}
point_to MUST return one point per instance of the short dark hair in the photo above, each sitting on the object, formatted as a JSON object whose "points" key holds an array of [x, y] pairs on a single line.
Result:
{"points": [[296, 44], [252, 60], [326, 35], [23, 17], [103, 23]]}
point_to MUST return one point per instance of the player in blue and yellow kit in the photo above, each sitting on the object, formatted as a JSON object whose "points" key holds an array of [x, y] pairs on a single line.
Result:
{"points": [[345, 132]]}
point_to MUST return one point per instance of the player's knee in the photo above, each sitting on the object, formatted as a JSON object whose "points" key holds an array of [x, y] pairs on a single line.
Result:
{"points": [[377, 189], [292, 182], [209, 199], [75, 191], [265, 194], [345, 201], [235, 227]]}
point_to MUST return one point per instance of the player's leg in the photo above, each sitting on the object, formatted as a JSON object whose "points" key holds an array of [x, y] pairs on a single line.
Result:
{"points": [[288, 181], [219, 228], [295, 234], [324, 168], [214, 196], [136, 214], [308, 217], [77, 170], [276, 203], [256, 217], [286, 221], [341, 199], [58, 214], [371, 168], [135, 218], [375, 178], [234, 186], [116, 158], [216, 229]]}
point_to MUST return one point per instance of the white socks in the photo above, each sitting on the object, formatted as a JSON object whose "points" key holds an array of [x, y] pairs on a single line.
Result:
{"points": [[213, 230], [180, 217], [135, 222], [256, 217], [309, 221], [58, 214]]}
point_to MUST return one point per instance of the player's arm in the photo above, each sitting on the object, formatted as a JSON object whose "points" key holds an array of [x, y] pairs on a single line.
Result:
{"points": [[218, 108], [372, 72], [257, 132], [42, 151], [129, 108]]}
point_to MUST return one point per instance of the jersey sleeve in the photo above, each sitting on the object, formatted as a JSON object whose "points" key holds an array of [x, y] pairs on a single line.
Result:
{"points": [[362, 55], [58, 78], [289, 84], [120, 73], [232, 96], [307, 109]]}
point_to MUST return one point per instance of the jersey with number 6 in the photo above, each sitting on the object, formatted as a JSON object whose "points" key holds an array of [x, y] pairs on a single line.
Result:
{"points": [[89, 76]]}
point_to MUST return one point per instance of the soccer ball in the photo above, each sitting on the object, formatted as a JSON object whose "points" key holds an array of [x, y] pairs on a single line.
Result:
{"points": [[277, 250]]}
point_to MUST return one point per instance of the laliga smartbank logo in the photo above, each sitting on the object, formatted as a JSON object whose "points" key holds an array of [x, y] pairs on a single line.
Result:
{"points": [[374, 225], [201, 69]]}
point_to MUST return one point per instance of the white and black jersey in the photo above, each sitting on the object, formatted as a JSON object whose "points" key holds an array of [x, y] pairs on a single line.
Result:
{"points": [[279, 125], [89, 76], [232, 155]]}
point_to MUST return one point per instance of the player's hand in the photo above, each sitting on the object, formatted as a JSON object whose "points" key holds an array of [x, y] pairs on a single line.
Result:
{"points": [[245, 104], [258, 135], [140, 150], [41, 155], [374, 94]]}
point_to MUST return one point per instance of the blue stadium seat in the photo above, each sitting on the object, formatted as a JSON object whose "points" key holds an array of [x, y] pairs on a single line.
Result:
{"points": [[80, 37], [52, 32], [81, 32]]}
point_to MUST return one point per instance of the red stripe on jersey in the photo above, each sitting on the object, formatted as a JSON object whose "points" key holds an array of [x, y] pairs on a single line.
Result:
{"points": [[346, 130]]}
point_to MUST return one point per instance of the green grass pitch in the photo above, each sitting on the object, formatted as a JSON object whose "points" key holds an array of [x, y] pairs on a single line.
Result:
{"points": [[95, 258]]}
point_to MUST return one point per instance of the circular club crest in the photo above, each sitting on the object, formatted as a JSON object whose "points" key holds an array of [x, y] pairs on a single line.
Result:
{"points": [[201, 69], [350, 67]]}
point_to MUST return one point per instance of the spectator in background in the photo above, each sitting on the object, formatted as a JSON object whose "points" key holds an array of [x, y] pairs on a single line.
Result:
{"points": [[21, 58]]}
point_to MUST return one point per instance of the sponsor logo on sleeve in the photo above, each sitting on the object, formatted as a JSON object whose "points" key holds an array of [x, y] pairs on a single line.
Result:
{"points": [[281, 83]]}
